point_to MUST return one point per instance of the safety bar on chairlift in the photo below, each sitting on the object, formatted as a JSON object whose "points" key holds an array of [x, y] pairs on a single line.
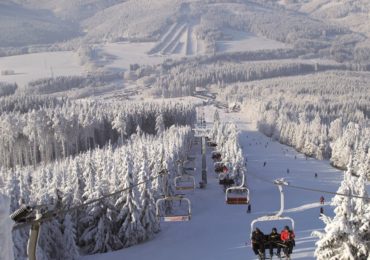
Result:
{"points": [[170, 198], [239, 187], [186, 176]]}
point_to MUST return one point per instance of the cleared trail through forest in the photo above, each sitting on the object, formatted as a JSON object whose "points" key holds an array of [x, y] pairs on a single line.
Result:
{"points": [[220, 231]]}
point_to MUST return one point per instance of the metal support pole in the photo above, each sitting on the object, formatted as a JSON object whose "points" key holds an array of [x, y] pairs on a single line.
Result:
{"points": [[280, 183], [204, 163], [34, 237]]}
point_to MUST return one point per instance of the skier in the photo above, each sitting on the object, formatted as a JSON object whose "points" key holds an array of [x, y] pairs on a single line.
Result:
{"points": [[321, 211], [315, 174], [264, 164], [287, 237], [274, 242], [249, 208], [322, 200], [258, 243], [287, 171]]}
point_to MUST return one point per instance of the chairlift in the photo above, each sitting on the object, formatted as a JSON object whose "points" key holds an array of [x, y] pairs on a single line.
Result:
{"points": [[190, 158], [173, 217], [278, 216], [212, 144], [216, 156], [184, 182], [220, 167], [237, 195]]}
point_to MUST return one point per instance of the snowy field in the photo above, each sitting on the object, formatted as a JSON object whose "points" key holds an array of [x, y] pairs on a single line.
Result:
{"points": [[243, 41], [219, 231], [33, 66], [126, 53], [120, 55]]}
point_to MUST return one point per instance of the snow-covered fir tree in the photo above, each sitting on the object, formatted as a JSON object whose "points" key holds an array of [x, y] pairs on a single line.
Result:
{"points": [[346, 235]]}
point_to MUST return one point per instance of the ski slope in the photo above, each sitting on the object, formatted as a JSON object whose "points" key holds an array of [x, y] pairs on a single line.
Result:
{"points": [[219, 231]]}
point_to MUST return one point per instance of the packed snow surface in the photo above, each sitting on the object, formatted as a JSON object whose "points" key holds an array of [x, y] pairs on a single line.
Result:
{"points": [[246, 41], [33, 66], [125, 53], [221, 231]]}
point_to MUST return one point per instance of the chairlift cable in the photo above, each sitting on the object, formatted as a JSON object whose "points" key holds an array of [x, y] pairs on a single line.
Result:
{"points": [[50, 215], [311, 189]]}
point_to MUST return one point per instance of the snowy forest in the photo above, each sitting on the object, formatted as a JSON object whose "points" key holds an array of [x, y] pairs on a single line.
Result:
{"points": [[114, 223], [70, 127], [99, 96], [322, 115]]}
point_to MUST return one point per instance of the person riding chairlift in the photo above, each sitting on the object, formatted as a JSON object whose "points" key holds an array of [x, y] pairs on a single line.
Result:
{"points": [[258, 243], [287, 236], [274, 242]]}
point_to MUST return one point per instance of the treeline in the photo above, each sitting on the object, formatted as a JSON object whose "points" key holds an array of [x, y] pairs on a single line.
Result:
{"points": [[324, 115], [226, 135], [48, 134], [26, 103], [260, 55], [7, 89], [64, 83], [110, 224], [183, 80]]}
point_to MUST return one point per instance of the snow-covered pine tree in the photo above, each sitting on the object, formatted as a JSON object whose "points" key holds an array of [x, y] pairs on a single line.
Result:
{"points": [[51, 237], [98, 235], [346, 236], [131, 231], [159, 124], [70, 248], [12, 189], [148, 207]]}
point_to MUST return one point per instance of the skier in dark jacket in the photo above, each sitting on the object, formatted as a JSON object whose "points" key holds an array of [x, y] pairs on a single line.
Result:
{"points": [[274, 242], [258, 243]]}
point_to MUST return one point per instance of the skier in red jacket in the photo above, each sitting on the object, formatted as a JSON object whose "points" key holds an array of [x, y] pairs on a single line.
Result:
{"points": [[287, 236]]}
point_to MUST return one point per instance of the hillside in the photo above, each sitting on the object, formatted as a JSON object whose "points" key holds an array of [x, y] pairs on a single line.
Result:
{"points": [[103, 103], [20, 26], [194, 27]]}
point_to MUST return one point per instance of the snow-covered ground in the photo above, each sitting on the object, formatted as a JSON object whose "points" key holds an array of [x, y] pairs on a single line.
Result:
{"points": [[126, 53], [33, 66], [221, 231], [243, 41]]}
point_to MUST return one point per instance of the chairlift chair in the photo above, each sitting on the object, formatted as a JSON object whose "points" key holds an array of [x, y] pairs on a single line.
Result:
{"points": [[212, 144], [190, 158], [216, 156], [173, 217], [278, 216], [219, 167], [237, 195], [184, 182]]}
